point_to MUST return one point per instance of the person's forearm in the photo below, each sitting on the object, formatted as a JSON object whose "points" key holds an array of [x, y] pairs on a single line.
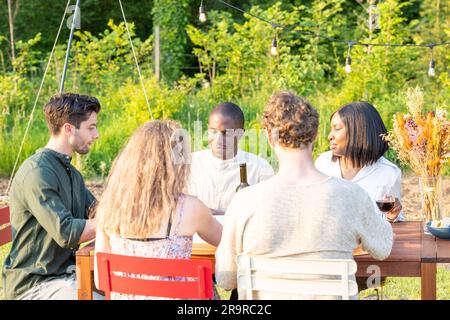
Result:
{"points": [[88, 231]]}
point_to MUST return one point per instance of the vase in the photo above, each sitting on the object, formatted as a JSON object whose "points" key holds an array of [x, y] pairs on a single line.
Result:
{"points": [[430, 188]]}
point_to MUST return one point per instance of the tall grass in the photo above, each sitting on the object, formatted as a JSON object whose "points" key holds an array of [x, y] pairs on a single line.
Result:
{"points": [[106, 71], [124, 109]]}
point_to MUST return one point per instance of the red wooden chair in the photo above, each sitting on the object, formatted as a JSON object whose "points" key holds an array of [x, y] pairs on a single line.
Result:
{"points": [[200, 288], [5, 226]]}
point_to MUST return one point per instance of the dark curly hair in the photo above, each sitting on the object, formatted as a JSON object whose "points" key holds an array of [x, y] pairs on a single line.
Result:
{"points": [[292, 118]]}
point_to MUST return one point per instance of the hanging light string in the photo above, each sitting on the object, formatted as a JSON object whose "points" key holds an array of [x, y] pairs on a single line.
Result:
{"points": [[249, 13], [274, 47], [331, 39], [136, 61]]}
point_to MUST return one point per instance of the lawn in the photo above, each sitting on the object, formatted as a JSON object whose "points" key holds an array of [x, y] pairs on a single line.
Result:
{"points": [[409, 288]]}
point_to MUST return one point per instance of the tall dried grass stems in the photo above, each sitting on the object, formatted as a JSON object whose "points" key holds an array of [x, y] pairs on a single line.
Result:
{"points": [[422, 141]]}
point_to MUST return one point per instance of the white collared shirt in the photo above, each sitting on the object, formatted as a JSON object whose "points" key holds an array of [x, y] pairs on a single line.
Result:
{"points": [[382, 172], [214, 181]]}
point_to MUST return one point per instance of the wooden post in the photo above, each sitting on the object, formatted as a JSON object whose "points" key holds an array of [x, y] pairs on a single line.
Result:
{"points": [[11, 33], [157, 54], [428, 281], [370, 25], [69, 45], [84, 274]]}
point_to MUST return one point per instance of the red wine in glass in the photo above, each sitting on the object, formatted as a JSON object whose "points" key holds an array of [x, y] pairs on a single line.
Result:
{"points": [[385, 205]]}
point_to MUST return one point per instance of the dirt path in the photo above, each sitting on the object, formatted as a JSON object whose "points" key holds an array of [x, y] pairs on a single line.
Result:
{"points": [[410, 190]]}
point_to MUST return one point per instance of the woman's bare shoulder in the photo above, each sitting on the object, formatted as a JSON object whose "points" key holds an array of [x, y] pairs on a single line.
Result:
{"points": [[193, 204]]}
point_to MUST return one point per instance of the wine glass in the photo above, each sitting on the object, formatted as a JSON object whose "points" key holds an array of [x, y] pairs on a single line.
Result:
{"points": [[385, 199]]}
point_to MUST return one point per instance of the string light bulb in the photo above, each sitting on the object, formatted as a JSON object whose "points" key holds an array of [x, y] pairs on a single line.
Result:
{"points": [[348, 64], [431, 71], [202, 14], [274, 48], [348, 60]]}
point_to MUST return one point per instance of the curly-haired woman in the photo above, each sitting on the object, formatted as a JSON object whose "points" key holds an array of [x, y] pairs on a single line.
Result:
{"points": [[300, 212], [143, 211]]}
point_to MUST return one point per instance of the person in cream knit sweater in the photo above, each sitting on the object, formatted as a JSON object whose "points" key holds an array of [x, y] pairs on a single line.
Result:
{"points": [[300, 212]]}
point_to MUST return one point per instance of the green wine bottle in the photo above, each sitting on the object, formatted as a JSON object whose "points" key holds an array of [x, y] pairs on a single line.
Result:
{"points": [[243, 173]]}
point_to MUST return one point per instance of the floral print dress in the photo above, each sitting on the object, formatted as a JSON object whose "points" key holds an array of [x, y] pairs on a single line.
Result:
{"points": [[171, 247]]}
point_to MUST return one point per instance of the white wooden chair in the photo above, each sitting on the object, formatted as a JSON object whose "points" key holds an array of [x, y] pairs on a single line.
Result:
{"points": [[296, 276]]}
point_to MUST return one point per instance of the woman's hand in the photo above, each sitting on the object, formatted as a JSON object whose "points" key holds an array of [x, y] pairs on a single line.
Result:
{"points": [[395, 211]]}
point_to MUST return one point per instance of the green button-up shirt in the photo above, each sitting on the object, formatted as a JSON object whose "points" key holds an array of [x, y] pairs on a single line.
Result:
{"points": [[49, 203]]}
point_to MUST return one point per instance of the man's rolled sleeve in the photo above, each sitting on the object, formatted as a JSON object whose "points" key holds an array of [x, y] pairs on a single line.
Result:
{"points": [[90, 202], [45, 203]]}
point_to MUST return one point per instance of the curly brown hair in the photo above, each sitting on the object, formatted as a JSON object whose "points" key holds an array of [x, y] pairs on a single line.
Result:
{"points": [[291, 120]]}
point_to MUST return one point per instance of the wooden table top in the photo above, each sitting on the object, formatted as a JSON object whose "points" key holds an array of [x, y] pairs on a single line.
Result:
{"points": [[410, 245], [87, 250], [443, 251]]}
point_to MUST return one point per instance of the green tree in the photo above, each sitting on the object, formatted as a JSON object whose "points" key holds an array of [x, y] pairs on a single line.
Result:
{"points": [[171, 17], [37, 16]]}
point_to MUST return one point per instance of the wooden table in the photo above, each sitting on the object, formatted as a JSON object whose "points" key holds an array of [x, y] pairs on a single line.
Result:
{"points": [[85, 272], [414, 254]]}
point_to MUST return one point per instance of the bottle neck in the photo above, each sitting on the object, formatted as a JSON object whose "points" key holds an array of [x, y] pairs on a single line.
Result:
{"points": [[243, 170]]}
